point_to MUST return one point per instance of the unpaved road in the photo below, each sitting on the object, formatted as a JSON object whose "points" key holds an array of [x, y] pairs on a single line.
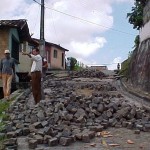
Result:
{"points": [[118, 136]]}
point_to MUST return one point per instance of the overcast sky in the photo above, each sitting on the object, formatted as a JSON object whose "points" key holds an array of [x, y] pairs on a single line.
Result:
{"points": [[94, 31]]}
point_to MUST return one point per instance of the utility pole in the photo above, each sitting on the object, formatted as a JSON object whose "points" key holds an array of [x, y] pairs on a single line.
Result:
{"points": [[42, 43], [42, 40]]}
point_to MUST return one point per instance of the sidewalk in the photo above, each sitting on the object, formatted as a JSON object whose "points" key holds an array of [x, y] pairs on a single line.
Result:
{"points": [[138, 93], [135, 91]]}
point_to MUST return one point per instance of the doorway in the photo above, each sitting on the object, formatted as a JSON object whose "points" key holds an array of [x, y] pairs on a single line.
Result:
{"points": [[15, 49]]}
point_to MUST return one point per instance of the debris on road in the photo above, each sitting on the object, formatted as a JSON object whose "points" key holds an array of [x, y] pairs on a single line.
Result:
{"points": [[65, 116], [130, 142]]}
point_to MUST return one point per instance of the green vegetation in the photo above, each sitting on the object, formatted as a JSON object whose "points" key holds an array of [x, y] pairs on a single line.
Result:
{"points": [[73, 63], [136, 41], [136, 15], [125, 66], [4, 105]]}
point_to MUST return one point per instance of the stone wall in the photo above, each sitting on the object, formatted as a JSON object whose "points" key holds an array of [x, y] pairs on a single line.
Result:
{"points": [[140, 62], [140, 66]]}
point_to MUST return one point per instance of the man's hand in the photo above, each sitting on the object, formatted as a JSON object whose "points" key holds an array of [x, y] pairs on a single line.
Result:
{"points": [[24, 53]]}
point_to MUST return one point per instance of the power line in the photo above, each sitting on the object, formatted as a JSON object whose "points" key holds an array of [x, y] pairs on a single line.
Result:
{"points": [[90, 22], [87, 21], [37, 2], [54, 28], [36, 21]]}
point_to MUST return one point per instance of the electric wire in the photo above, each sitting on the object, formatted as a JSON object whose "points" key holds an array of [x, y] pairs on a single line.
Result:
{"points": [[87, 21], [54, 27], [36, 21]]}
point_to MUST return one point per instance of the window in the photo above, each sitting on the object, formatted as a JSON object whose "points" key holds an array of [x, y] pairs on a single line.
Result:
{"points": [[55, 53]]}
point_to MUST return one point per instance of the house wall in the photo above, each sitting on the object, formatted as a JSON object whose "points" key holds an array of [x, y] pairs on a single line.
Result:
{"points": [[4, 42], [56, 63], [25, 63], [48, 55]]}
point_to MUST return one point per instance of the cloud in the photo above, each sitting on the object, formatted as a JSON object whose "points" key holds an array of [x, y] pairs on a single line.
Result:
{"points": [[113, 65], [86, 49]]}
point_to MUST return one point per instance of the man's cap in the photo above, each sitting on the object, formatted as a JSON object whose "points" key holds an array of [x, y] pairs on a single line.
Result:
{"points": [[7, 51]]}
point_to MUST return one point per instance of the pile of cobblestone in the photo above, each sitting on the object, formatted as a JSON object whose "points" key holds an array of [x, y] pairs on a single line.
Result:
{"points": [[88, 74], [65, 116]]}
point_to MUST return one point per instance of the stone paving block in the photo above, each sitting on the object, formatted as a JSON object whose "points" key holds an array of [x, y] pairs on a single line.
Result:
{"points": [[53, 142], [65, 141], [33, 144]]}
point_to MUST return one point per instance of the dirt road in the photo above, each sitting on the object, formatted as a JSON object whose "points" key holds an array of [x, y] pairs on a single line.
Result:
{"points": [[116, 138]]}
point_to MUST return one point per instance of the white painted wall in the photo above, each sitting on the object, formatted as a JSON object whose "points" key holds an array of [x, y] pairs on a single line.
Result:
{"points": [[145, 32]]}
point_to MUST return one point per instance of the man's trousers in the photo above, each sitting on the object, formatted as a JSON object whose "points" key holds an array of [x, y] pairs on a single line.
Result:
{"points": [[7, 79], [36, 85]]}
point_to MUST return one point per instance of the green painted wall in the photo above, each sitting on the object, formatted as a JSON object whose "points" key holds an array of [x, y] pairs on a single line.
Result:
{"points": [[13, 32]]}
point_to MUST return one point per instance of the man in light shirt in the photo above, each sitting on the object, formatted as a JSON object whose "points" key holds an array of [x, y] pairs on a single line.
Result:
{"points": [[36, 73]]}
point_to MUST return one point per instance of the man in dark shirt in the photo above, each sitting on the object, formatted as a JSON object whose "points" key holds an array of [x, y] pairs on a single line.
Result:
{"points": [[7, 72]]}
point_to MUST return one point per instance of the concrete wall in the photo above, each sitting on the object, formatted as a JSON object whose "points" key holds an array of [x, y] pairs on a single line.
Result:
{"points": [[145, 31], [146, 13], [25, 63], [57, 62]]}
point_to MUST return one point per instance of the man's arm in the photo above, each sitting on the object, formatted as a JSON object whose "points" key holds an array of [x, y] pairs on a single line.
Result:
{"points": [[28, 54], [33, 57]]}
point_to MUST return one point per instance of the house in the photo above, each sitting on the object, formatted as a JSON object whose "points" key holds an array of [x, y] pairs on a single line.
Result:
{"points": [[55, 55], [15, 36]]}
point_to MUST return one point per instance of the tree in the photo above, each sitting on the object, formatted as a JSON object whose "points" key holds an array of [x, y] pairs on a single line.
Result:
{"points": [[73, 62], [136, 16]]}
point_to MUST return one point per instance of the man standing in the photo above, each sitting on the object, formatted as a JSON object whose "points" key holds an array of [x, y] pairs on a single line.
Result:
{"points": [[7, 72], [36, 73], [68, 63], [44, 67]]}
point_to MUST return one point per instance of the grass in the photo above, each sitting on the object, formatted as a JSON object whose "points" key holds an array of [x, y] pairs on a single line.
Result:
{"points": [[4, 105]]}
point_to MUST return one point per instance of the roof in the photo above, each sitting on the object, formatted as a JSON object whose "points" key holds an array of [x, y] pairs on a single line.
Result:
{"points": [[21, 25], [51, 44], [57, 46]]}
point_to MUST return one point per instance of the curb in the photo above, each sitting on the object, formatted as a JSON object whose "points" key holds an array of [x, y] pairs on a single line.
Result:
{"points": [[134, 93], [145, 98]]}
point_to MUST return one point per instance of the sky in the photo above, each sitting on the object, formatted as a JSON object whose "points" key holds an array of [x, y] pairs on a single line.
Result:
{"points": [[96, 32]]}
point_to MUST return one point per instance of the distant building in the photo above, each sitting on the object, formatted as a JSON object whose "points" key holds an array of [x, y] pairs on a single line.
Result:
{"points": [[99, 68], [55, 55]]}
